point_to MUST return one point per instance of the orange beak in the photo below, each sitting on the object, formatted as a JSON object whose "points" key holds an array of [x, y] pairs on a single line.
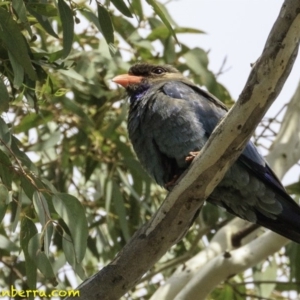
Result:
{"points": [[126, 79]]}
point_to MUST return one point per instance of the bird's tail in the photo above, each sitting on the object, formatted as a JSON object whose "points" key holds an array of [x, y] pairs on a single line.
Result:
{"points": [[287, 223]]}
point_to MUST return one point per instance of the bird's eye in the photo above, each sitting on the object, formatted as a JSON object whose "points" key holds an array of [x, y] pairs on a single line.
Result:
{"points": [[158, 70]]}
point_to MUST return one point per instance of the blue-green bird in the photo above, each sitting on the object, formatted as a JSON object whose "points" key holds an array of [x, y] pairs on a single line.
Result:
{"points": [[170, 117]]}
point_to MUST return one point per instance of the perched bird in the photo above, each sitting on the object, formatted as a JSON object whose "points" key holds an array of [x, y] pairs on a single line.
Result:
{"points": [[170, 117]]}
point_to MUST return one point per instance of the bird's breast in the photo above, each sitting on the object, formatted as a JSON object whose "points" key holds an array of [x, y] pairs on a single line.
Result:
{"points": [[165, 128]]}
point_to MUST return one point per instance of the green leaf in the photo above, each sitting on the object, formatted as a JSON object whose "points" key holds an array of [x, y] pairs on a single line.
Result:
{"points": [[123, 27], [106, 24], [294, 188], [122, 7], [44, 265], [73, 107], [120, 210], [20, 9], [127, 184], [16, 210], [166, 13], [44, 9], [138, 41], [67, 21], [197, 60], [197, 63], [27, 187], [68, 248], [155, 22], [293, 253], [18, 71], [4, 200], [6, 168], [116, 123], [92, 246], [169, 51], [47, 236], [60, 261], [268, 273], [48, 143], [92, 18], [108, 195], [44, 22], [90, 166], [210, 214], [137, 8], [29, 92], [73, 74], [39, 257], [33, 120], [5, 135], [157, 8], [41, 207], [73, 214], [227, 293], [28, 230], [4, 96], [7, 245], [69, 252], [22, 155], [162, 32], [14, 41]]}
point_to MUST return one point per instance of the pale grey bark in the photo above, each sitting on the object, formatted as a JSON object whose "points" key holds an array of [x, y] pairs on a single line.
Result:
{"points": [[285, 151]]}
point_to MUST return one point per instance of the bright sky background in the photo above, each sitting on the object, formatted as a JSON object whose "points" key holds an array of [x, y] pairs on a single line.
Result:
{"points": [[237, 30]]}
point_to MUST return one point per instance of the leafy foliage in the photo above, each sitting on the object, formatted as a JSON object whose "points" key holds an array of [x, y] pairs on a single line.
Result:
{"points": [[72, 192]]}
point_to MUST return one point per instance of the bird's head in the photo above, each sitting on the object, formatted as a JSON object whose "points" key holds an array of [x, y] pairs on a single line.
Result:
{"points": [[146, 74]]}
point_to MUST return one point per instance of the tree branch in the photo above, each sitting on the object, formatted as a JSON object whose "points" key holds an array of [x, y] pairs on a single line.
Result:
{"points": [[219, 244], [285, 150], [230, 263], [226, 143]]}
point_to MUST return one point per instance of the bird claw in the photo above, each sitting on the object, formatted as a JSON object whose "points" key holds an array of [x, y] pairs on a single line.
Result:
{"points": [[191, 156], [172, 182]]}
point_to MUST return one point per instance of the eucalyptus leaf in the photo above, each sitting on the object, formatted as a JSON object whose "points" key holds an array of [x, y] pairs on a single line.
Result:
{"points": [[14, 41], [67, 20], [122, 7], [158, 10], [18, 71], [71, 211], [105, 24], [43, 21], [41, 207], [4, 96], [44, 9], [4, 199], [28, 230], [39, 257], [49, 142], [7, 245], [119, 204]]}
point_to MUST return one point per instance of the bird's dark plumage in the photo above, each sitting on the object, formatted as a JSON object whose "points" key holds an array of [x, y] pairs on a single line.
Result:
{"points": [[170, 117]]}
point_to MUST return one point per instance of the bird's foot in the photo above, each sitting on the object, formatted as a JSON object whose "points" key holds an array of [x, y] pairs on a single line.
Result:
{"points": [[172, 182], [191, 156]]}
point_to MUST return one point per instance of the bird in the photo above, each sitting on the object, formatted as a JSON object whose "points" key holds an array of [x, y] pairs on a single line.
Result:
{"points": [[170, 118]]}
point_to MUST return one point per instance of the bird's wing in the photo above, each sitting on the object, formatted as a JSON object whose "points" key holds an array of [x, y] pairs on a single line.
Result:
{"points": [[210, 111]]}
